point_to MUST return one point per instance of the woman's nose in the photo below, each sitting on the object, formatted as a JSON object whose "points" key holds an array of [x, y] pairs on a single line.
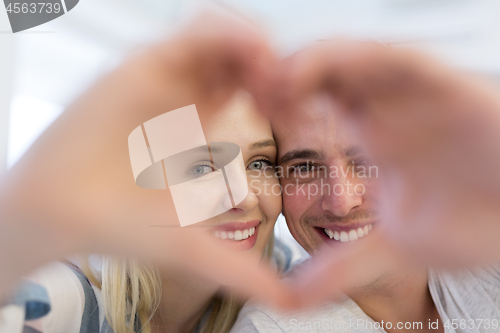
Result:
{"points": [[249, 202]]}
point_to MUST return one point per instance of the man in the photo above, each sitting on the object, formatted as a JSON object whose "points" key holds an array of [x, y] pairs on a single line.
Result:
{"points": [[329, 193]]}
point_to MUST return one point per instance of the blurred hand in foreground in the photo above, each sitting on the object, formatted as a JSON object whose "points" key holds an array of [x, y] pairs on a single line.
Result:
{"points": [[74, 191], [434, 134]]}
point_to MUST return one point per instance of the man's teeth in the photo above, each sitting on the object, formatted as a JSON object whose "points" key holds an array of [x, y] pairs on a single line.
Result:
{"points": [[348, 236], [236, 235]]}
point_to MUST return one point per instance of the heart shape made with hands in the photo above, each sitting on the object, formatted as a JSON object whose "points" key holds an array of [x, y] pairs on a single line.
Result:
{"points": [[417, 118], [389, 97]]}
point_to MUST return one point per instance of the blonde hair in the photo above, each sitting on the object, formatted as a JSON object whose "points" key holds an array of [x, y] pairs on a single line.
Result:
{"points": [[131, 294]]}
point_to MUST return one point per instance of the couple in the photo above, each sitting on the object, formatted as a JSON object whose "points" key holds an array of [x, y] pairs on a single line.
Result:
{"points": [[320, 208], [386, 297], [86, 203], [328, 199]]}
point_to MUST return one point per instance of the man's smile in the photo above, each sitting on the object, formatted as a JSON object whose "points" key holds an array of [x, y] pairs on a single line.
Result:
{"points": [[345, 233]]}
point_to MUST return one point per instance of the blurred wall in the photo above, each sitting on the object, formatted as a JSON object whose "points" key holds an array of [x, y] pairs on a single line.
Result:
{"points": [[7, 61]]}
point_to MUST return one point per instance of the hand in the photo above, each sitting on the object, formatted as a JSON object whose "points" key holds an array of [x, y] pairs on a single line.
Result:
{"points": [[74, 190], [332, 272], [433, 132]]}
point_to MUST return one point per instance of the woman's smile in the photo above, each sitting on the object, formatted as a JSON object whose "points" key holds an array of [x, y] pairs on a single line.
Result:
{"points": [[239, 235]]}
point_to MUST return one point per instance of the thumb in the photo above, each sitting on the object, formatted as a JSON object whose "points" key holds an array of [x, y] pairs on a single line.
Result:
{"points": [[332, 272]]}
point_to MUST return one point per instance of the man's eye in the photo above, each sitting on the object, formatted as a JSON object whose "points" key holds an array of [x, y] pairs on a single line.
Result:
{"points": [[259, 165], [303, 168], [200, 169], [360, 162]]}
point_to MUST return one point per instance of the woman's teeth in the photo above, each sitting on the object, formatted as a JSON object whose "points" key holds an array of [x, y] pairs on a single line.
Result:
{"points": [[348, 236], [236, 235]]}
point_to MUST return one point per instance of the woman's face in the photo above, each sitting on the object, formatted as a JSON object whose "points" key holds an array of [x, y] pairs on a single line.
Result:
{"points": [[249, 225]]}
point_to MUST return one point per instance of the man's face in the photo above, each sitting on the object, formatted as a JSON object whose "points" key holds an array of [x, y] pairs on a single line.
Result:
{"points": [[326, 179]]}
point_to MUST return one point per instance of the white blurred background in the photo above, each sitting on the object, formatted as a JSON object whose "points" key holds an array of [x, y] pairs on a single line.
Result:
{"points": [[44, 68]]}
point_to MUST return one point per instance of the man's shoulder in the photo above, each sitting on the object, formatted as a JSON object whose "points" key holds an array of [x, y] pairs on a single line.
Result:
{"points": [[468, 293], [254, 317], [487, 277], [260, 318]]}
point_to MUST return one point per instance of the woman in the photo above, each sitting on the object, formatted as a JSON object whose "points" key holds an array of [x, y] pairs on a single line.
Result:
{"points": [[133, 295]]}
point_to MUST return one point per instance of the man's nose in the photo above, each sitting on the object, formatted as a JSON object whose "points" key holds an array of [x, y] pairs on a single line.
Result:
{"points": [[339, 196]]}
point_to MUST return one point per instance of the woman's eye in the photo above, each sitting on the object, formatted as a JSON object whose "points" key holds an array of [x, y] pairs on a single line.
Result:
{"points": [[259, 165], [201, 170]]}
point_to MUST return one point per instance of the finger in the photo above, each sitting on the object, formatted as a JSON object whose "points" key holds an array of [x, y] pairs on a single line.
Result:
{"points": [[221, 51], [355, 71], [325, 66], [332, 272], [193, 250]]}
